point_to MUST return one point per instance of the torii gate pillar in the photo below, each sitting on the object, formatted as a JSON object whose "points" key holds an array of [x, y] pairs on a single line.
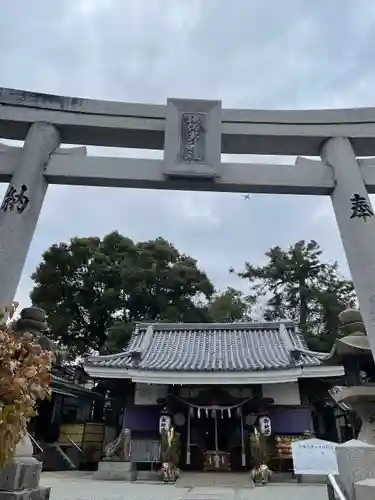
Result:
{"points": [[21, 206], [356, 222]]}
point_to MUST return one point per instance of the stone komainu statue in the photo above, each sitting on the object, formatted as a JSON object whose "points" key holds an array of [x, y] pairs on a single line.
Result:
{"points": [[120, 448]]}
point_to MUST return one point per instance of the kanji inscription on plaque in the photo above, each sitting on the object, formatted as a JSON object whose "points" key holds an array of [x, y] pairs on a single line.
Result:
{"points": [[193, 138]]}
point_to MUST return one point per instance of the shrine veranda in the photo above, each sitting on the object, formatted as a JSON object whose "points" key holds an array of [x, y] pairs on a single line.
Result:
{"points": [[193, 134]]}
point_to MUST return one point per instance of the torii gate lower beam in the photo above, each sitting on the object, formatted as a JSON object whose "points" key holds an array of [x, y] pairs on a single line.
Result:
{"points": [[72, 167]]}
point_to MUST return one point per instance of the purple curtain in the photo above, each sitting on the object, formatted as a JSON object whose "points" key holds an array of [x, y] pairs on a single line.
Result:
{"points": [[285, 419], [290, 420], [142, 418]]}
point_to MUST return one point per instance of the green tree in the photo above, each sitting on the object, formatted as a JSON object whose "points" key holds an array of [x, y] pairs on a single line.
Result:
{"points": [[296, 284], [229, 306], [91, 285], [331, 298]]}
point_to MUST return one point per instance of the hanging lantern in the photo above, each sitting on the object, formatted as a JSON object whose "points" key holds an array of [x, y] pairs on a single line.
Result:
{"points": [[165, 421], [206, 412], [222, 413], [199, 413], [229, 413], [265, 427], [179, 419]]}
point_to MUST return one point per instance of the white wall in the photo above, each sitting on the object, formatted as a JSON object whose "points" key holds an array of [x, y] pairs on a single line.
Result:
{"points": [[148, 394], [283, 394]]}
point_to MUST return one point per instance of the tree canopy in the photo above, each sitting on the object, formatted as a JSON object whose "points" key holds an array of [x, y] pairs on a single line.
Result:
{"points": [[91, 285], [297, 284], [229, 306], [94, 291]]}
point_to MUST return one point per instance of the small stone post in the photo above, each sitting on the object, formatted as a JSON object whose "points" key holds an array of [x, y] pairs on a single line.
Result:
{"points": [[365, 490]]}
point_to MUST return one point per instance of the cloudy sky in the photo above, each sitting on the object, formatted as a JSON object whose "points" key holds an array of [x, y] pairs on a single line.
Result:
{"points": [[248, 53]]}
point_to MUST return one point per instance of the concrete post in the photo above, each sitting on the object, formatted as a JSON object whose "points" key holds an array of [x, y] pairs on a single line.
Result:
{"points": [[356, 222], [355, 462], [365, 490], [21, 206]]}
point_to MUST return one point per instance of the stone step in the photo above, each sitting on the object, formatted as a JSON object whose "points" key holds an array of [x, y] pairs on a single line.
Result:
{"points": [[54, 459], [210, 493], [212, 479], [147, 475]]}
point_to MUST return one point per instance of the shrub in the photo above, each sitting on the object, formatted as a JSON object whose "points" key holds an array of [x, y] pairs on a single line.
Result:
{"points": [[24, 379]]}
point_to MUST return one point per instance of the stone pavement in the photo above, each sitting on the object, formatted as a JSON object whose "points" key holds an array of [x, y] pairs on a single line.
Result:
{"points": [[80, 486]]}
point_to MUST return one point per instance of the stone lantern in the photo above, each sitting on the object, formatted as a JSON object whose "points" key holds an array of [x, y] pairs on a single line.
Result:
{"points": [[353, 350]]}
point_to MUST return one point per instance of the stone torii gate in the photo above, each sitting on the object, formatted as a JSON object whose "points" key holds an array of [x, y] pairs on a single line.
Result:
{"points": [[193, 134]]}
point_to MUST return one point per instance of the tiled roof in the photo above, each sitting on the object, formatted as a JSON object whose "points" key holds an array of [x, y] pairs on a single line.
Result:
{"points": [[209, 347], [61, 382]]}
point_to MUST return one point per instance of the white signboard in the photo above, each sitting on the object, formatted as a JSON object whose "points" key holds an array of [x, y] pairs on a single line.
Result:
{"points": [[314, 457]]}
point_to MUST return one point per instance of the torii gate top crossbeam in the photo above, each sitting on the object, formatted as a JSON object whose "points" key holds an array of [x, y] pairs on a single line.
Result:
{"points": [[142, 126]]}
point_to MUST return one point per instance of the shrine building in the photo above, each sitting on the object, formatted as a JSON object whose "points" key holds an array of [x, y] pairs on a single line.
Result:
{"points": [[216, 381]]}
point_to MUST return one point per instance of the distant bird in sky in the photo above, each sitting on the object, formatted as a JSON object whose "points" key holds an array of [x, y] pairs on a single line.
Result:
{"points": [[246, 196]]}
